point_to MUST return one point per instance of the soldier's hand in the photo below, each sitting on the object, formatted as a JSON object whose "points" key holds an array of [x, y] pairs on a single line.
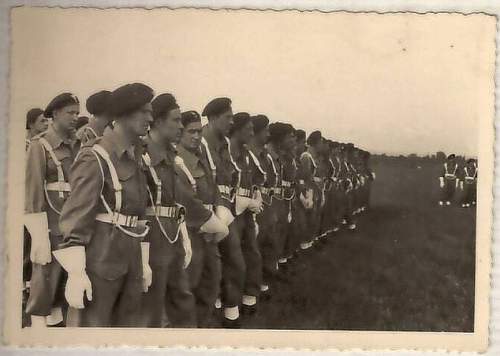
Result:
{"points": [[147, 277], [77, 286]]}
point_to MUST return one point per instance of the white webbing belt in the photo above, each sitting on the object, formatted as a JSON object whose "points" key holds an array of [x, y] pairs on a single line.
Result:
{"points": [[60, 173]]}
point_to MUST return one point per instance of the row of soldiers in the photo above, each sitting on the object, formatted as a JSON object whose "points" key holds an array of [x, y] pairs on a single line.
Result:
{"points": [[453, 177], [147, 218]]}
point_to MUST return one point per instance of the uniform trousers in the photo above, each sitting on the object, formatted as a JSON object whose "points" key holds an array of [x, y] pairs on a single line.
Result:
{"points": [[448, 191], [470, 192], [169, 292], [268, 241], [205, 273]]}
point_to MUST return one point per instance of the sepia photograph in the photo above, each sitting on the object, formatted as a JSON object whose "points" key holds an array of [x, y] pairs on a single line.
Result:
{"points": [[249, 178]]}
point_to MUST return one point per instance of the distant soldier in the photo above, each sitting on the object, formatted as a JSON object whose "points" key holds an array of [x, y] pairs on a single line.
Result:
{"points": [[347, 181], [311, 196], [227, 177], [49, 158], [281, 148], [265, 177], [36, 123], [205, 270], [248, 203], [469, 183], [103, 219], [97, 105], [448, 180], [300, 146], [328, 217]]}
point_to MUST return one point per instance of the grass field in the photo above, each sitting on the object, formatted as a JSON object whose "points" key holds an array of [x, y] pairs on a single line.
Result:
{"points": [[409, 266]]}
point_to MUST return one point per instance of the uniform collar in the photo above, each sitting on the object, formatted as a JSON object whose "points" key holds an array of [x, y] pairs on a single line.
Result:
{"points": [[119, 146], [212, 139], [158, 152], [54, 138], [190, 158]]}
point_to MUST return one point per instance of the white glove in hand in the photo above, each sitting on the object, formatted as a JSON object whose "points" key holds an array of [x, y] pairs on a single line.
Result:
{"points": [[37, 226], [186, 243], [456, 183], [147, 273], [224, 214], [214, 225], [462, 185], [72, 259], [441, 182], [255, 206]]}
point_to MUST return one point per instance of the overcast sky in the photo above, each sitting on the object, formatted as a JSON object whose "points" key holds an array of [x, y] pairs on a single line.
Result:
{"points": [[388, 83]]}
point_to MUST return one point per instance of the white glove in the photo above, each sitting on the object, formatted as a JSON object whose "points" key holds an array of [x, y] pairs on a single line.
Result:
{"points": [[309, 198], [456, 183], [242, 204], [214, 225], [303, 200], [186, 243], [224, 214], [255, 206], [441, 182], [72, 259], [147, 273], [462, 185], [38, 227], [256, 227]]}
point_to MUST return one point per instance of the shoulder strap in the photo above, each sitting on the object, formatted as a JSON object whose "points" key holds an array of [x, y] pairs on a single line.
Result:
{"points": [[270, 158], [209, 156], [60, 173], [238, 169], [257, 163], [309, 155], [180, 163], [114, 176], [147, 161]]}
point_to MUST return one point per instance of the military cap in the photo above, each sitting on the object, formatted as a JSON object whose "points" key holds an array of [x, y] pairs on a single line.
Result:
{"points": [[31, 116], [260, 122], [163, 104], [279, 130], [60, 101], [129, 98], [217, 106], [300, 134], [471, 160], [239, 121], [334, 144], [189, 117], [452, 156], [314, 137], [97, 103]]}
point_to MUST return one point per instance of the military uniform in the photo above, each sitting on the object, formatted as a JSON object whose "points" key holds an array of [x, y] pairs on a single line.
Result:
{"points": [[103, 224], [49, 159], [448, 180], [469, 184], [96, 105]]}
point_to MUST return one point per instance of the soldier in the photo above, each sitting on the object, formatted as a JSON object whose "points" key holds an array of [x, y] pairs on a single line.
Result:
{"points": [[265, 177], [49, 158], [324, 172], [205, 270], [300, 145], [248, 203], [102, 220], [36, 123], [227, 177], [448, 180], [347, 182], [311, 196], [281, 148], [469, 183], [328, 213], [96, 105]]}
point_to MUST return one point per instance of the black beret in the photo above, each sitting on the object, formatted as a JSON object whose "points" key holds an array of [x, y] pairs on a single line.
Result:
{"points": [[82, 120], [163, 104], [334, 144], [452, 156], [471, 160], [239, 121], [279, 130], [314, 137], [189, 117], [60, 101], [129, 98], [217, 106], [260, 122], [300, 134], [32, 115], [97, 103]]}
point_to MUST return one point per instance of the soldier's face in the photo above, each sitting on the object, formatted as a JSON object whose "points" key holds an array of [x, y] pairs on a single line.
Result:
{"points": [[246, 133], [171, 127], [263, 135], [139, 121], [224, 121], [41, 124], [191, 136], [289, 142], [67, 117]]}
